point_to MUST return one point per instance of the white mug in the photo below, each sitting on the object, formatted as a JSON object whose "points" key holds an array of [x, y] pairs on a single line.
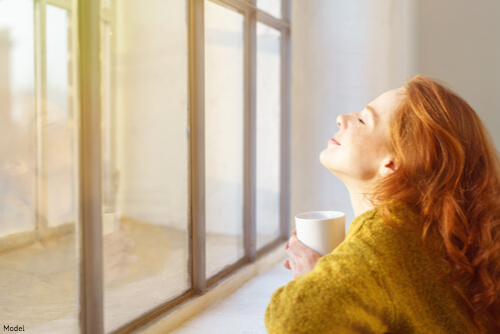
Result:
{"points": [[322, 231]]}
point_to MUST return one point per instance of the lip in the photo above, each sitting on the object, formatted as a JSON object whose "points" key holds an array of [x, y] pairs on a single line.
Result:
{"points": [[333, 142]]}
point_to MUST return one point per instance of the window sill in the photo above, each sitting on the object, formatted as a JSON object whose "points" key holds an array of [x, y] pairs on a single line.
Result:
{"points": [[236, 304]]}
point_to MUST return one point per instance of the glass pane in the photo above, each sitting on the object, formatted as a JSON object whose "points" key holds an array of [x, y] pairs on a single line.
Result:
{"points": [[57, 57], [145, 158], [38, 258], [268, 134], [17, 86], [57, 147], [272, 7], [223, 136]]}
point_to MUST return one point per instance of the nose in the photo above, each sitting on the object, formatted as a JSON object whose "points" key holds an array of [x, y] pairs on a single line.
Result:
{"points": [[341, 121]]}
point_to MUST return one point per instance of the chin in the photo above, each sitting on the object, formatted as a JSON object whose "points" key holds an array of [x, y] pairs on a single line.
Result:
{"points": [[323, 157], [328, 158]]}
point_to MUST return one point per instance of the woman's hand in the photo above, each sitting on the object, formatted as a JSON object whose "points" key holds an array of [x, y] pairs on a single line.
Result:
{"points": [[301, 258]]}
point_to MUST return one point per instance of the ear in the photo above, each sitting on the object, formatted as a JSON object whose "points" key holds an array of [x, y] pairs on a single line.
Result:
{"points": [[388, 167]]}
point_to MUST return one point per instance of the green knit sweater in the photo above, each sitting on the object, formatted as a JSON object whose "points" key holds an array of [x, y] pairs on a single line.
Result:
{"points": [[379, 280]]}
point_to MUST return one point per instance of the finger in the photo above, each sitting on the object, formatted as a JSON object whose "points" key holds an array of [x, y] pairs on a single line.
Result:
{"points": [[291, 264], [293, 245], [295, 252], [292, 239], [297, 249]]}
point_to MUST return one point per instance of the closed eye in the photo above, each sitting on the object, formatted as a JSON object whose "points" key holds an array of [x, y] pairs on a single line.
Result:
{"points": [[361, 121]]}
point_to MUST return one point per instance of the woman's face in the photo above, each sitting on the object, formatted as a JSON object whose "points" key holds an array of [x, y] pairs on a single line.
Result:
{"points": [[358, 151]]}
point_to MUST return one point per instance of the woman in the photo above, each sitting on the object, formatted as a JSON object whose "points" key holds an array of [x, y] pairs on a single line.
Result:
{"points": [[423, 253]]}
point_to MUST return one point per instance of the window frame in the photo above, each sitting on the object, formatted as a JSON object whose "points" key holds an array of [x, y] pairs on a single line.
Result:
{"points": [[252, 14], [90, 17]]}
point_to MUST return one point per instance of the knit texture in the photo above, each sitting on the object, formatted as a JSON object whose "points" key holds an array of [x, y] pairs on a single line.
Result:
{"points": [[379, 280]]}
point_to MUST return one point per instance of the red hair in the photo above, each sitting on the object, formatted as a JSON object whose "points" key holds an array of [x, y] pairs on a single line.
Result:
{"points": [[449, 171]]}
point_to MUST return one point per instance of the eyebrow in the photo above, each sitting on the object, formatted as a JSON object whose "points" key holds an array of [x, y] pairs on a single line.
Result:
{"points": [[372, 111]]}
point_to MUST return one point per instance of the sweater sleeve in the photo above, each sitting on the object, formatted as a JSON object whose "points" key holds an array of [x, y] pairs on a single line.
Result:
{"points": [[345, 293]]}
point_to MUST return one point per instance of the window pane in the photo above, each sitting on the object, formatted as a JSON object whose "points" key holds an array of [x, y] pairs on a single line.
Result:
{"points": [[38, 258], [17, 86], [223, 136], [145, 158], [268, 134], [57, 57], [273, 7]]}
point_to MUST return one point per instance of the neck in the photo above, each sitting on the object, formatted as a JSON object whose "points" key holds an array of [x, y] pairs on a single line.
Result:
{"points": [[357, 190], [360, 203]]}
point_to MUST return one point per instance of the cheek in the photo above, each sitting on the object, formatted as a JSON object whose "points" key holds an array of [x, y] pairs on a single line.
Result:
{"points": [[366, 152], [355, 145], [366, 145]]}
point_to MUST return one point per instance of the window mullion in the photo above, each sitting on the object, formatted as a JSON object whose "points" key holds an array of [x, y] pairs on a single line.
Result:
{"points": [[285, 10], [250, 229], [196, 33], [285, 124], [272, 21], [40, 109], [91, 282]]}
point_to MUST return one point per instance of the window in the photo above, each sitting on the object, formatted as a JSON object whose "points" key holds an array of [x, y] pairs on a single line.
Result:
{"points": [[224, 136], [145, 154], [269, 134], [39, 258], [145, 146]]}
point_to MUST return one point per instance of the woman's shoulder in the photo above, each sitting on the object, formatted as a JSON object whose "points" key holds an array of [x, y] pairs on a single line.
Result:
{"points": [[381, 243], [394, 222]]}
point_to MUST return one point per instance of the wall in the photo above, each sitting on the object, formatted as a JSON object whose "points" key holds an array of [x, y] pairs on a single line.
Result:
{"points": [[458, 41], [344, 54]]}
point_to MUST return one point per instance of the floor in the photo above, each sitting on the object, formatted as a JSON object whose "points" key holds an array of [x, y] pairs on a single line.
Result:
{"points": [[39, 285], [242, 312]]}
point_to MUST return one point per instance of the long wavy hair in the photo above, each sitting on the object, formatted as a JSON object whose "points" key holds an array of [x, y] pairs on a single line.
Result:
{"points": [[449, 171]]}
